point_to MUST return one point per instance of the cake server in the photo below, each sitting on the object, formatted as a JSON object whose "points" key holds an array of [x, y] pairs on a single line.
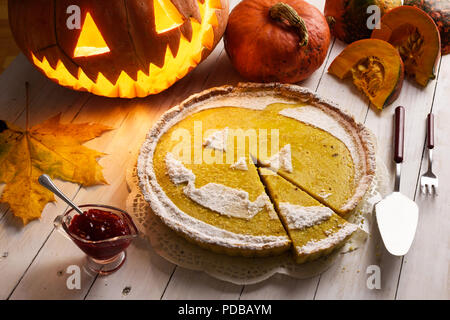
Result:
{"points": [[397, 215]]}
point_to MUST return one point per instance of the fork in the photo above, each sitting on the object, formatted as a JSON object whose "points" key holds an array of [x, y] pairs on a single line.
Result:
{"points": [[429, 181]]}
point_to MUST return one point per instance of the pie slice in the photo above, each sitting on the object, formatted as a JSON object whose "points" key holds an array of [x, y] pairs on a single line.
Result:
{"points": [[315, 230], [321, 150]]}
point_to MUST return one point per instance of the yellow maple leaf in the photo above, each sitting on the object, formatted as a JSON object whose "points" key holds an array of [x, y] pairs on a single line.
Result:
{"points": [[52, 148]]}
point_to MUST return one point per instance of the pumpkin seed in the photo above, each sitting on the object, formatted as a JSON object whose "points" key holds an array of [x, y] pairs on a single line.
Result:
{"points": [[410, 49], [361, 67], [368, 75]]}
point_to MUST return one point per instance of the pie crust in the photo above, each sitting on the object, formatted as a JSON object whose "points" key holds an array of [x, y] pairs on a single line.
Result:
{"points": [[241, 95]]}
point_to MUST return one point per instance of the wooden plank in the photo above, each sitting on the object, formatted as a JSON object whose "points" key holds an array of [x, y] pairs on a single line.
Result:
{"points": [[210, 287], [22, 243], [140, 114], [153, 107], [12, 102], [12, 99], [36, 250], [144, 276], [197, 285], [348, 280], [425, 269], [12, 84], [142, 260], [8, 47], [181, 286], [281, 287], [348, 98], [187, 283], [143, 112], [193, 83], [58, 253]]}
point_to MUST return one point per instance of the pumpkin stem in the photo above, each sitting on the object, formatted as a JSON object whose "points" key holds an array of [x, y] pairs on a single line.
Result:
{"points": [[284, 12], [331, 21]]}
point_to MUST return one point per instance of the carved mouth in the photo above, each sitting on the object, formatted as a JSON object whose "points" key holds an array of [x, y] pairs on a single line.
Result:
{"points": [[159, 78]]}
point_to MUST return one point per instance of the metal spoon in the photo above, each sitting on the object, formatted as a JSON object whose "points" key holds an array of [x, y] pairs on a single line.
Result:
{"points": [[46, 182]]}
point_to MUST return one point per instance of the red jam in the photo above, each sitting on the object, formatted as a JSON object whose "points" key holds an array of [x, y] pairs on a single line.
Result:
{"points": [[95, 225]]}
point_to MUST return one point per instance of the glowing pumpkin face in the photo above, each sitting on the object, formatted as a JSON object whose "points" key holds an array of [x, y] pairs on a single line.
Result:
{"points": [[123, 48]]}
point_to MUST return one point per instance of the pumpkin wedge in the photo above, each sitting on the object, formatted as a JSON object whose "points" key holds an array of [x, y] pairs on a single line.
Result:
{"points": [[439, 11], [416, 37], [376, 68]]}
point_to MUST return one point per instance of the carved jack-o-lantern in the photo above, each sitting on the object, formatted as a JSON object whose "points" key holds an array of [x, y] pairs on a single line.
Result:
{"points": [[122, 48]]}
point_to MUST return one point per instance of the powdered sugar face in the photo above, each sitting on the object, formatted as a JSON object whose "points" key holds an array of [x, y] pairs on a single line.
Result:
{"points": [[217, 197], [226, 201], [218, 140], [332, 240], [300, 217], [177, 172], [241, 164], [281, 160]]}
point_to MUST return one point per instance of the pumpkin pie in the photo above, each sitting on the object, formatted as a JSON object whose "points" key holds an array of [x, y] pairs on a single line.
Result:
{"points": [[315, 230], [198, 165]]}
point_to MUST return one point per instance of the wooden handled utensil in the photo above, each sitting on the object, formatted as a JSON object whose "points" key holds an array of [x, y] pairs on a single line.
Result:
{"points": [[397, 215], [429, 181]]}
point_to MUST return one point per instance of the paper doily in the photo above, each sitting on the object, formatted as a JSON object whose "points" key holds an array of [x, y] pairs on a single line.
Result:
{"points": [[240, 270]]}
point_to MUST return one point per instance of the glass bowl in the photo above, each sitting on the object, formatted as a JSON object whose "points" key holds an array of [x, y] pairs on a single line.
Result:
{"points": [[103, 256]]}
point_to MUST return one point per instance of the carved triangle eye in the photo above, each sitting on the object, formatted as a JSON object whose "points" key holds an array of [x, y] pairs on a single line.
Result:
{"points": [[90, 42], [167, 16]]}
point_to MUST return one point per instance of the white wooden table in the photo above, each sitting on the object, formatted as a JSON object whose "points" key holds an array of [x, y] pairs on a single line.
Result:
{"points": [[34, 258]]}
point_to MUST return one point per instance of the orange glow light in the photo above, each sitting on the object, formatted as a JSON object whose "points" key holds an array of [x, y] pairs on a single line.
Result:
{"points": [[91, 41], [167, 16], [188, 57]]}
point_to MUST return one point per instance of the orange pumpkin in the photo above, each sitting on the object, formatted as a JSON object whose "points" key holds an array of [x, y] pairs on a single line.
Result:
{"points": [[122, 48], [273, 41], [416, 37], [376, 68]]}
